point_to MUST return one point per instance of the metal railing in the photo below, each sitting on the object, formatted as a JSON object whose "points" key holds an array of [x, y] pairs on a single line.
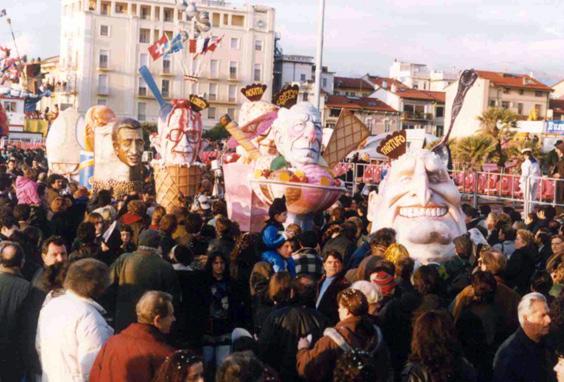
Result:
{"points": [[476, 186]]}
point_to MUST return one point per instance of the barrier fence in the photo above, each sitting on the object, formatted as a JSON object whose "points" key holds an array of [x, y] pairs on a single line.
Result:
{"points": [[477, 186]]}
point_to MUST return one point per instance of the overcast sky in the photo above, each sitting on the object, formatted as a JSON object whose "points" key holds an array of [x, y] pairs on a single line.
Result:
{"points": [[364, 36]]}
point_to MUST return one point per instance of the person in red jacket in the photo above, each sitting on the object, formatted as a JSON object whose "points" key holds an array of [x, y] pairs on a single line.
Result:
{"points": [[137, 352]]}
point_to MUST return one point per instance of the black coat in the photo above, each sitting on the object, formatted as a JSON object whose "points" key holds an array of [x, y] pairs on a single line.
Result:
{"points": [[520, 268], [281, 331], [519, 359], [328, 305], [192, 313]]}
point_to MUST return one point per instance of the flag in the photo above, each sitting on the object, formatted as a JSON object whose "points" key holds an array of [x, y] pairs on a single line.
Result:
{"points": [[205, 47], [214, 43], [2, 13], [175, 45], [192, 45], [159, 47]]}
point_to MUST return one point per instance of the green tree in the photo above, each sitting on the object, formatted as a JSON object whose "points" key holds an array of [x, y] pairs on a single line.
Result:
{"points": [[496, 123], [216, 133], [473, 151]]}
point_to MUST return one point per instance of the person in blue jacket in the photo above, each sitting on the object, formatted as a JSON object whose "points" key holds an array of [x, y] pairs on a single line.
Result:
{"points": [[278, 249]]}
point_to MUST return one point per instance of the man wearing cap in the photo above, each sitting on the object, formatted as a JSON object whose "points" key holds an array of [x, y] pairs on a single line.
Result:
{"points": [[530, 172], [132, 274]]}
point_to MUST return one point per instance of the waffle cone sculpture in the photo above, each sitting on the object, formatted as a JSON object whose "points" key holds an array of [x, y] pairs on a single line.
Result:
{"points": [[172, 182]]}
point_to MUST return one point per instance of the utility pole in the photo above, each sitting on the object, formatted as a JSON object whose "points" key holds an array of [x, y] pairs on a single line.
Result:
{"points": [[319, 57]]}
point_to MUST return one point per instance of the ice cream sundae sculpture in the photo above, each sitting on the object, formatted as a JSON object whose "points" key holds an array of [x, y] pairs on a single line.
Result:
{"points": [[178, 143], [282, 144], [418, 198]]}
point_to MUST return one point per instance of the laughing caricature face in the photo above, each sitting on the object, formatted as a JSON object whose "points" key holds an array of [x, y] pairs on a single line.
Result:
{"points": [[420, 201]]}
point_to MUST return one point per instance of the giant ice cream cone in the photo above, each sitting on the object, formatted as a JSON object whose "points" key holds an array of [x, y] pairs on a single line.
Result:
{"points": [[174, 181]]}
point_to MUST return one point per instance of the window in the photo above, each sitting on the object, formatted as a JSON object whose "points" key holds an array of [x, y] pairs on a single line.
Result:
{"points": [[121, 8], [334, 112], [141, 111], [539, 94], [258, 45], [302, 77], [538, 109], [415, 86], [440, 131], [104, 31], [234, 43], [257, 74], [145, 12], [505, 105], [520, 108], [232, 93], [168, 35], [521, 91], [232, 70], [102, 101], [215, 19], [505, 90], [387, 126], [105, 10], [92, 5], [212, 94], [492, 103], [214, 68], [237, 21], [142, 90], [439, 111], [143, 59], [166, 64], [165, 88], [305, 97], [10, 106], [102, 84], [324, 82], [211, 113], [144, 35], [103, 59], [168, 15]]}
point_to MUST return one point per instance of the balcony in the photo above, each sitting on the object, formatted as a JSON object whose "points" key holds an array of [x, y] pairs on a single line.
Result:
{"points": [[416, 116]]}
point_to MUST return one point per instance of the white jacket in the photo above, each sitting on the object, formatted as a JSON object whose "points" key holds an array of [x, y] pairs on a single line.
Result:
{"points": [[70, 332]]}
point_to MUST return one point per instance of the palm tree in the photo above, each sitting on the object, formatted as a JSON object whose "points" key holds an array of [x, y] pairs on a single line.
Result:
{"points": [[496, 124], [473, 151]]}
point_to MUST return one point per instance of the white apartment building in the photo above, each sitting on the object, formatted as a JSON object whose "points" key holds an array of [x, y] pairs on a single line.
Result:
{"points": [[104, 42], [419, 76], [520, 93], [297, 69]]}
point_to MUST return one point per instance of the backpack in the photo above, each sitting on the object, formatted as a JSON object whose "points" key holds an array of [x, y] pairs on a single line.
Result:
{"points": [[363, 358]]}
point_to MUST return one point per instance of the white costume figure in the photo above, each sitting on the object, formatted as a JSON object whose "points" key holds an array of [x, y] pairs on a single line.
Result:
{"points": [[530, 170], [420, 201], [298, 134]]}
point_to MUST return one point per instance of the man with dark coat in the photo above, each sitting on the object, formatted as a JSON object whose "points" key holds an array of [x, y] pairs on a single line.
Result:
{"points": [[330, 285], [283, 328], [137, 352], [14, 292], [524, 357], [132, 274]]}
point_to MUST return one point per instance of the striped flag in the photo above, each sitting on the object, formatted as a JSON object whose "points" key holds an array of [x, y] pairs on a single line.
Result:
{"points": [[214, 43]]}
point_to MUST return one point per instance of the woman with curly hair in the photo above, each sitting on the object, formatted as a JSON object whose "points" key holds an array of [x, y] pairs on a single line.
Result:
{"points": [[436, 355], [181, 366]]}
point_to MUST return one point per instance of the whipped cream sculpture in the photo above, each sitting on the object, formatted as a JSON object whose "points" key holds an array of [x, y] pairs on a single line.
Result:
{"points": [[419, 200], [282, 143], [61, 144], [178, 143]]}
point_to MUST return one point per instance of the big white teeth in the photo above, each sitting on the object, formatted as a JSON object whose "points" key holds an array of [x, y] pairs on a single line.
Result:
{"points": [[415, 212]]}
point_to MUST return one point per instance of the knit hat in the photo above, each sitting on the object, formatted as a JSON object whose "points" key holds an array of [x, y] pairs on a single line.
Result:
{"points": [[150, 238], [278, 206], [385, 281]]}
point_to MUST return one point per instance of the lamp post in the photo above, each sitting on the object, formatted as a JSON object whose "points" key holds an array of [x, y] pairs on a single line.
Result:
{"points": [[319, 54]]}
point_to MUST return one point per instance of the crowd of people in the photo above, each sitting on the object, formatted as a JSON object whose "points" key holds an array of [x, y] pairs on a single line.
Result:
{"points": [[99, 288]]}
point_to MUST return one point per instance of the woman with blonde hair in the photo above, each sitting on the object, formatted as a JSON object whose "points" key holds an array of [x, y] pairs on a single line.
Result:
{"points": [[395, 252]]}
